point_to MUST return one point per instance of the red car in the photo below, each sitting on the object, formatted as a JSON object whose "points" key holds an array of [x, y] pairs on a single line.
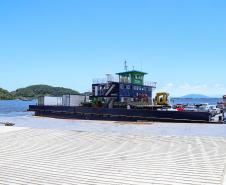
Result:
{"points": [[180, 108]]}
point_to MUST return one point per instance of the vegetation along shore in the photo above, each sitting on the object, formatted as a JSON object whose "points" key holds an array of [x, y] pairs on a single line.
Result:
{"points": [[32, 92]]}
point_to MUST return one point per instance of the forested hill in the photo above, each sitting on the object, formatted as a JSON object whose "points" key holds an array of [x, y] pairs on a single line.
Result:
{"points": [[42, 90], [36, 90], [5, 95]]}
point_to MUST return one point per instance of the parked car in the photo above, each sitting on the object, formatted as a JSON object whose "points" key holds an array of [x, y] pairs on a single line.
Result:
{"points": [[179, 107], [210, 108], [191, 108], [167, 109], [214, 110], [203, 108]]}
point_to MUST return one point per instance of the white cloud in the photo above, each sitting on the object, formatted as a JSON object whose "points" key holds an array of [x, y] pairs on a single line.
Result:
{"points": [[219, 86], [170, 85]]}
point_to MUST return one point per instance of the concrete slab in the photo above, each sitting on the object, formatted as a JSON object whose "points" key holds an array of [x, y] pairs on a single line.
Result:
{"points": [[4, 129], [38, 156]]}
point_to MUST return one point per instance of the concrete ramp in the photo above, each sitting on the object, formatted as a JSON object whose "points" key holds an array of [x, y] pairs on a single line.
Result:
{"points": [[38, 156]]}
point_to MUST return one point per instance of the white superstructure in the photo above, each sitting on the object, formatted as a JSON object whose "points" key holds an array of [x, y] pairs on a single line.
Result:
{"points": [[48, 100]]}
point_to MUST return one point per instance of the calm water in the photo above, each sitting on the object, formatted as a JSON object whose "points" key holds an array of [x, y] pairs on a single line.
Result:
{"points": [[211, 101], [15, 107]]}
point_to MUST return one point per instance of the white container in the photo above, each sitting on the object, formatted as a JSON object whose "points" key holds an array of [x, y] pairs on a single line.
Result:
{"points": [[73, 100], [51, 101]]}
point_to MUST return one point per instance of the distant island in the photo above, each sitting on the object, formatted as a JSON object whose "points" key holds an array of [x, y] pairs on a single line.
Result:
{"points": [[194, 96], [34, 91]]}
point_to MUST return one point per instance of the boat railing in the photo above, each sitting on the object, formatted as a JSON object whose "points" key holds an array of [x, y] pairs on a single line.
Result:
{"points": [[105, 80], [150, 83]]}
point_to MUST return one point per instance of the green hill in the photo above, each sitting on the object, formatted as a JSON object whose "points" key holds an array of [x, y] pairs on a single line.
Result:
{"points": [[5, 95], [42, 90]]}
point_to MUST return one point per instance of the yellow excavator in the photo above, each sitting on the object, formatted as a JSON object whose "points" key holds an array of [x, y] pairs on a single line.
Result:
{"points": [[162, 98]]}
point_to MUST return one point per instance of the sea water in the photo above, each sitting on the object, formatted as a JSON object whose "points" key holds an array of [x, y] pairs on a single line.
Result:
{"points": [[15, 107], [210, 101]]}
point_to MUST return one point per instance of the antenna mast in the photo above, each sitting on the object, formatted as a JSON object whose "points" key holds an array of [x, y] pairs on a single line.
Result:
{"points": [[125, 66]]}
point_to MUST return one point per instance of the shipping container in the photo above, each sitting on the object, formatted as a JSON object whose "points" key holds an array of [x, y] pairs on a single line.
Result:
{"points": [[74, 100], [47, 100]]}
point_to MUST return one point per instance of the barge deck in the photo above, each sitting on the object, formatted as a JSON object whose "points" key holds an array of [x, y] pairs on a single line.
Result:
{"points": [[117, 114]]}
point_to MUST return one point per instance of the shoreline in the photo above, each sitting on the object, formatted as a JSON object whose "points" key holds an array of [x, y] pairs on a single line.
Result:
{"points": [[154, 128]]}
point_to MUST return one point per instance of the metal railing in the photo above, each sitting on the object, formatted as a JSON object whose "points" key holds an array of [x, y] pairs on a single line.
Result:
{"points": [[100, 81], [105, 80], [149, 83]]}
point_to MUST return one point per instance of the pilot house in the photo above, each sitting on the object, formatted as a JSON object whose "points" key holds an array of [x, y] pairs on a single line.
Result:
{"points": [[129, 87]]}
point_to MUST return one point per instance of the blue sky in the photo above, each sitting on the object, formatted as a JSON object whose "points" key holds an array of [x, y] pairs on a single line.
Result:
{"points": [[180, 43]]}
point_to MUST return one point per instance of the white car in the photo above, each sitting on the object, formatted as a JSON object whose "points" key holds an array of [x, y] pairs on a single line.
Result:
{"points": [[204, 109], [168, 109], [190, 108], [214, 110]]}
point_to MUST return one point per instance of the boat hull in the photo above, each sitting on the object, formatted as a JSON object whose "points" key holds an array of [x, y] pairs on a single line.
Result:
{"points": [[92, 113]]}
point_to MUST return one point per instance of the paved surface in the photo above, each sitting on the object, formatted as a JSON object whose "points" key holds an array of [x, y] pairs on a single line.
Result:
{"points": [[4, 129], [38, 156]]}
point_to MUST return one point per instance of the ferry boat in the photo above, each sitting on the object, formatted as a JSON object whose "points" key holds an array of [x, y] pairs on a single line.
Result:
{"points": [[129, 98]]}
